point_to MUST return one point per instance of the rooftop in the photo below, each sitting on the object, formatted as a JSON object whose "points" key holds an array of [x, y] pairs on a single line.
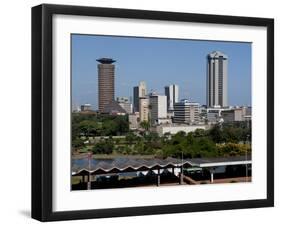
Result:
{"points": [[112, 107], [186, 102], [217, 54], [106, 60]]}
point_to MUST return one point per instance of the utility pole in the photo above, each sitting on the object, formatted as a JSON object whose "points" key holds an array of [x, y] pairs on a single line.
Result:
{"points": [[247, 137], [181, 175], [89, 169]]}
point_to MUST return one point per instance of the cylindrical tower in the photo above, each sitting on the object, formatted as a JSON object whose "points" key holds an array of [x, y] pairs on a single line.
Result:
{"points": [[106, 77]]}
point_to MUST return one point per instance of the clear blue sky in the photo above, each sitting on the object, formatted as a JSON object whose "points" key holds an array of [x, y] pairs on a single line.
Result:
{"points": [[159, 62]]}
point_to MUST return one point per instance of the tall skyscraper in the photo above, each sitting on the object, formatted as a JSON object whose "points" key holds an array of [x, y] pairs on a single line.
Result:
{"points": [[216, 92], [105, 82], [158, 107], [172, 93], [139, 91], [144, 109]]}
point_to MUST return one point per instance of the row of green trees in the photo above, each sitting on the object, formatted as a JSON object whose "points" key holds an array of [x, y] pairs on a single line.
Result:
{"points": [[230, 132], [191, 145], [99, 125]]}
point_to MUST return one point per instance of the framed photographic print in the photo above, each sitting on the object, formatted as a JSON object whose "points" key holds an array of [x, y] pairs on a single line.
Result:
{"points": [[145, 112]]}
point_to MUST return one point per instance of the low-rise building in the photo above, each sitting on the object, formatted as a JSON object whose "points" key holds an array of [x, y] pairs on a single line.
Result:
{"points": [[232, 115], [86, 107], [125, 104], [164, 121], [186, 112], [247, 113], [226, 114], [175, 128], [213, 115], [134, 121]]}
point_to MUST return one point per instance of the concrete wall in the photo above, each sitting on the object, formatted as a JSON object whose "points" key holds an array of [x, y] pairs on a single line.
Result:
{"points": [[161, 130]]}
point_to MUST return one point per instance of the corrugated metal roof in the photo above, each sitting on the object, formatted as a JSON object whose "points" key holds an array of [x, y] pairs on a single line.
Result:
{"points": [[119, 165]]}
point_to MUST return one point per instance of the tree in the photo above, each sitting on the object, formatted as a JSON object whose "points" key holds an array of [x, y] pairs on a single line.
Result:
{"points": [[145, 125], [232, 134], [171, 151], [122, 124], [130, 138], [233, 149], [140, 147], [152, 141], [216, 134], [190, 139], [88, 127], [199, 133], [166, 136], [109, 128], [103, 147], [151, 137], [178, 138], [207, 148], [77, 143]]}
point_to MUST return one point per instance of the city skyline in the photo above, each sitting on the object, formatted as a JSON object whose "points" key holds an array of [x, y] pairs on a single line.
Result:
{"points": [[146, 62]]}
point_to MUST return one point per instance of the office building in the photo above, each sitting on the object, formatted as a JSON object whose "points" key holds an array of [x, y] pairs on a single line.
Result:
{"points": [[232, 115], [217, 75], [139, 91], [158, 107], [134, 121], [186, 112], [172, 93], [86, 107], [144, 109], [106, 89], [122, 99], [213, 115], [247, 113], [125, 104], [247, 110]]}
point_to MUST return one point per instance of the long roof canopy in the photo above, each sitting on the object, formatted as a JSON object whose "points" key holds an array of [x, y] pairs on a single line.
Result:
{"points": [[119, 165]]}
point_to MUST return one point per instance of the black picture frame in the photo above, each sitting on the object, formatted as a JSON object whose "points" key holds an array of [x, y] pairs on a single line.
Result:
{"points": [[42, 111]]}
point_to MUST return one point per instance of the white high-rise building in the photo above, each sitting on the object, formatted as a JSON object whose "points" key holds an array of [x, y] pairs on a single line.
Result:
{"points": [[172, 93], [158, 107], [139, 91], [216, 92], [144, 109], [133, 121]]}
